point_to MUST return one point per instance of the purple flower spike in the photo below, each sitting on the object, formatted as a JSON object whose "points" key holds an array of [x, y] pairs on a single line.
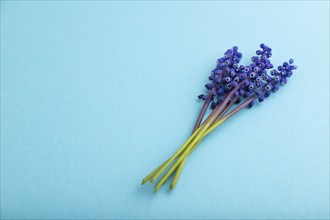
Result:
{"points": [[259, 76]]}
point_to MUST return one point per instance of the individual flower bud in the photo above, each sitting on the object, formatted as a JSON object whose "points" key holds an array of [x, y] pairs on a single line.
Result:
{"points": [[247, 82], [277, 78], [268, 78], [259, 84], [252, 75], [234, 84], [213, 105], [220, 91], [241, 92], [283, 81], [258, 93], [258, 79], [232, 72], [269, 86], [209, 86], [261, 98], [221, 60], [273, 72], [227, 79], [202, 97], [247, 69], [254, 59], [288, 68], [231, 85], [228, 62], [230, 51], [250, 104], [276, 87], [261, 65], [242, 76], [267, 93]]}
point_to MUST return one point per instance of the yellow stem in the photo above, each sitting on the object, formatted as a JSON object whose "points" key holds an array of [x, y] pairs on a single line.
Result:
{"points": [[183, 155], [162, 167], [149, 176], [178, 172]]}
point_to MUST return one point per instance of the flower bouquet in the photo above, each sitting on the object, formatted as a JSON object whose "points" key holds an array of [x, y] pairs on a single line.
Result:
{"points": [[232, 87]]}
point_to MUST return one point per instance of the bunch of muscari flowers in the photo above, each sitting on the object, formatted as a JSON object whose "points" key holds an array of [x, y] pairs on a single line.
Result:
{"points": [[231, 87]]}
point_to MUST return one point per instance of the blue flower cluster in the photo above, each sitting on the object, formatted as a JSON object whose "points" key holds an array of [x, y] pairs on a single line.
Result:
{"points": [[253, 79]]}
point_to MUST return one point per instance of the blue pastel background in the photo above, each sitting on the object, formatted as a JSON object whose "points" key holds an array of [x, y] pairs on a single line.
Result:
{"points": [[94, 95]]}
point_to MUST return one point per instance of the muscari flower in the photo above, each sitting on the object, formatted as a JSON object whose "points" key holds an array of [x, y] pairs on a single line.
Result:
{"points": [[230, 84]]}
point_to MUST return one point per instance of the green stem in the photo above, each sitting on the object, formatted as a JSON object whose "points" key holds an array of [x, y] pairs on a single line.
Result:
{"points": [[162, 167], [149, 176], [186, 151], [179, 170]]}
